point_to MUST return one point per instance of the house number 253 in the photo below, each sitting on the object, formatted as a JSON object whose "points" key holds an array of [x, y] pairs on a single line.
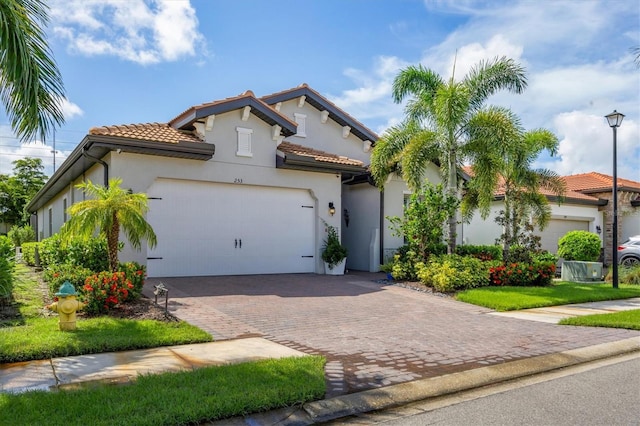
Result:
{"points": [[237, 180]]}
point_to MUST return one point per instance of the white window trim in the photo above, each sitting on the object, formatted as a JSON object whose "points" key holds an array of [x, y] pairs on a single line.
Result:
{"points": [[301, 119], [244, 142]]}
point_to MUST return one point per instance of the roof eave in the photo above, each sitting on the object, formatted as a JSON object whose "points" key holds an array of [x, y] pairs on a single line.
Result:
{"points": [[258, 108], [297, 162], [322, 104], [98, 146]]}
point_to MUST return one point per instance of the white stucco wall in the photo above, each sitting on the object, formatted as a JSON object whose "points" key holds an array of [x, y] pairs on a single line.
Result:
{"points": [[317, 133], [362, 202], [485, 231]]}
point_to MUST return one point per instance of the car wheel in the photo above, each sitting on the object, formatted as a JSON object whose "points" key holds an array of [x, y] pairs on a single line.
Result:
{"points": [[630, 261]]}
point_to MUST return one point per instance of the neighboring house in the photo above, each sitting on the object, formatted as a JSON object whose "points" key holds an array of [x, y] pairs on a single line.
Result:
{"points": [[600, 186], [242, 185], [585, 206]]}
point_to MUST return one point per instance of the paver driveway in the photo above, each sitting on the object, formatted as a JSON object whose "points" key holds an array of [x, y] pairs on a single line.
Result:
{"points": [[372, 334]]}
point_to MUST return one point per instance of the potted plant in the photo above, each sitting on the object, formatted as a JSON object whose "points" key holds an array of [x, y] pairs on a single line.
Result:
{"points": [[334, 254]]}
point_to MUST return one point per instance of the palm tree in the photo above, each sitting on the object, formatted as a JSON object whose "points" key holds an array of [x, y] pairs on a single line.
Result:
{"points": [[442, 120], [31, 86], [109, 210], [506, 166]]}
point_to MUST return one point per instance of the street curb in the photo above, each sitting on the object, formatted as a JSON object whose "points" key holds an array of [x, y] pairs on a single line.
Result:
{"points": [[405, 393]]}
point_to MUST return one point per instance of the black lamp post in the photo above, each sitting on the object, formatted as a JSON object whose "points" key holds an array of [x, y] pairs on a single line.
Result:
{"points": [[615, 120]]}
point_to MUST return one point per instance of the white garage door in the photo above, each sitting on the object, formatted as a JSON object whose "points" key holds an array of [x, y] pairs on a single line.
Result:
{"points": [[556, 229], [224, 229]]}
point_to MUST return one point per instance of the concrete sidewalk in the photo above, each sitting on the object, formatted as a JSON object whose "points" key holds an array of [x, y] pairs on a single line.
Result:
{"points": [[553, 314], [123, 367]]}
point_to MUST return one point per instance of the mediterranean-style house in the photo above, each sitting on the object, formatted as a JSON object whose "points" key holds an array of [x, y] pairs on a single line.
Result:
{"points": [[242, 185], [586, 206]]}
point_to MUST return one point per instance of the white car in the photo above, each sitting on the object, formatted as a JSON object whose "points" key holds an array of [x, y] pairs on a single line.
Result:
{"points": [[629, 252]]}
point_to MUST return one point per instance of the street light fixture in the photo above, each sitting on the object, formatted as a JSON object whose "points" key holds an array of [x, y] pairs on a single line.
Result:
{"points": [[615, 120]]}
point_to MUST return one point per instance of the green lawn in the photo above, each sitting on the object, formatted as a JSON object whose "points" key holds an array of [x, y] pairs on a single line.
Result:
{"points": [[175, 398], [39, 338], [32, 336], [625, 319], [561, 293]]}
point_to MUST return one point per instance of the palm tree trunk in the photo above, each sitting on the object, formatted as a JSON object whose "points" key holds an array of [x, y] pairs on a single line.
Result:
{"points": [[112, 243], [452, 189]]}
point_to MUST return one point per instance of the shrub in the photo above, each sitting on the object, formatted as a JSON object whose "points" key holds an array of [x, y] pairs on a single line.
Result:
{"points": [[52, 251], [105, 290], [135, 273], [90, 253], [523, 274], [448, 273], [21, 234], [56, 275], [422, 224], [579, 245], [29, 253], [626, 275], [482, 252], [545, 256], [7, 255]]}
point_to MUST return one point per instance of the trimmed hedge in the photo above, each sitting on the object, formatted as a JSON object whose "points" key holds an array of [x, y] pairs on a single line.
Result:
{"points": [[447, 273], [579, 245], [482, 252]]}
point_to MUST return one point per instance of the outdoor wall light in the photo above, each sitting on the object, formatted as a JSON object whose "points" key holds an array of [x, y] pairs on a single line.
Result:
{"points": [[332, 209], [598, 229], [615, 120]]}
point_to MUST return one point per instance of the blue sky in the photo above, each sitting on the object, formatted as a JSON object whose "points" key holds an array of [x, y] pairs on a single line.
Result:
{"points": [[138, 61]]}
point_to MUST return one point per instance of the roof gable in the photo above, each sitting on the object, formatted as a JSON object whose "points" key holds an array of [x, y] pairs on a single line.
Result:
{"points": [[323, 104], [258, 108]]}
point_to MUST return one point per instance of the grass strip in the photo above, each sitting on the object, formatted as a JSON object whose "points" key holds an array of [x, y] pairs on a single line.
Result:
{"points": [[40, 338], [561, 293], [191, 397], [624, 319]]}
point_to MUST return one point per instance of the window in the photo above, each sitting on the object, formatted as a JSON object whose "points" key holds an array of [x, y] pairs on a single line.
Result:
{"points": [[50, 221], [244, 142], [301, 119], [64, 210]]}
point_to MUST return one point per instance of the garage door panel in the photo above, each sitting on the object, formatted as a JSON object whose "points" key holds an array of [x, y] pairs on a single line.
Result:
{"points": [[222, 229], [556, 229]]}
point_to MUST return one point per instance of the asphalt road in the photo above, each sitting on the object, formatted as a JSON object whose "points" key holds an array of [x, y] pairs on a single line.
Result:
{"points": [[601, 393]]}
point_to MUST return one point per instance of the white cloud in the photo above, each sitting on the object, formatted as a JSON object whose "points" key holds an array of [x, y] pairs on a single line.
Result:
{"points": [[141, 31], [586, 144], [371, 100], [70, 110], [13, 150]]}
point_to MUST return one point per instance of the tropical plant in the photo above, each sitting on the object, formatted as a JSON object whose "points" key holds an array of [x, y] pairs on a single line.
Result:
{"points": [[444, 118], [506, 166], [333, 252], [108, 210], [21, 234], [7, 264], [31, 86], [579, 245], [422, 224]]}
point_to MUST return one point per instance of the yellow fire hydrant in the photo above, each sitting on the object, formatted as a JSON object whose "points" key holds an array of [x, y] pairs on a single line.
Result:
{"points": [[66, 306]]}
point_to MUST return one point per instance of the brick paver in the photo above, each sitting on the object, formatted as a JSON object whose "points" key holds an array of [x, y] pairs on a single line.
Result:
{"points": [[371, 333]]}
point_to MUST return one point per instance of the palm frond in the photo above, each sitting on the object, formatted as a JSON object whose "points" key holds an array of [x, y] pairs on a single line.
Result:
{"points": [[417, 81], [31, 87], [490, 76]]}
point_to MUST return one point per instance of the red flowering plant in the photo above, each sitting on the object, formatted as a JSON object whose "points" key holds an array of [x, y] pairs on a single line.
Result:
{"points": [[523, 274], [135, 273], [105, 290]]}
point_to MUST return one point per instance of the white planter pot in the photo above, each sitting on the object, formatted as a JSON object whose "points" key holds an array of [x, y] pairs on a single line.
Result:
{"points": [[337, 269]]}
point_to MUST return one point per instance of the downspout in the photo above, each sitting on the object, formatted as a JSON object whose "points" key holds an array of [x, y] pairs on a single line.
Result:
{"points": [[97, 160]]}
